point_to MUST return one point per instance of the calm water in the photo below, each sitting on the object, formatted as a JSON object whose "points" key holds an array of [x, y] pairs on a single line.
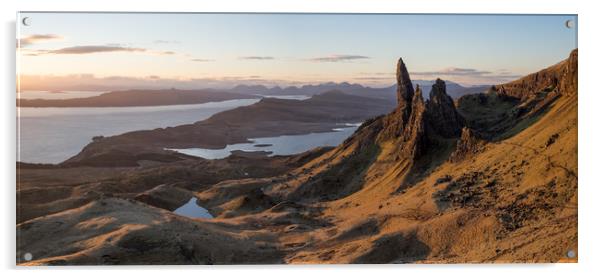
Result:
{"points": [[281, 145], [52, 135], [191, 209], [296, 97]]}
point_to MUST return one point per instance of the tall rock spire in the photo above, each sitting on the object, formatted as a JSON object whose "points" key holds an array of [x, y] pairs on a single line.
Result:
{"points": [[405, 91]]}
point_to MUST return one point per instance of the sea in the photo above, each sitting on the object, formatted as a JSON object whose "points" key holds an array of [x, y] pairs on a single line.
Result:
{"points": [[53, 135], [279, 145]]}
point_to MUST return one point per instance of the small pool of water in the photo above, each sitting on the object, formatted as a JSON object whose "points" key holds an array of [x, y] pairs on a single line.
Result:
{"points": [[191, 209]]}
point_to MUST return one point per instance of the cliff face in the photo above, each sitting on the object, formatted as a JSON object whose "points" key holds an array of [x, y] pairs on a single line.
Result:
{"points": [[559, 77], [568, 84], [506, 108]]}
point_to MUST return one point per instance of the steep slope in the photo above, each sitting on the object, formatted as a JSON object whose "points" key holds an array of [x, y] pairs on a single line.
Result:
{"points": [[559, 77], [512, 200], [409, 196]]}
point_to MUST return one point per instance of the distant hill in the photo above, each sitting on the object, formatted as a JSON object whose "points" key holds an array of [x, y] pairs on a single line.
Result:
{"points": [[328, 107], [138, 98], [293, 90]]}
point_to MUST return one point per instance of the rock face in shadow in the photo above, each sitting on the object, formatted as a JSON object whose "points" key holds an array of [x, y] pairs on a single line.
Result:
{"points": [[442, 112], [405, 90], [396, 121], [415, 139], [416, 124]]}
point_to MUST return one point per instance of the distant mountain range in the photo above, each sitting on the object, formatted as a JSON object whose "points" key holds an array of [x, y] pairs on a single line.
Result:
{"points": [[146, 97], [454, 90]]}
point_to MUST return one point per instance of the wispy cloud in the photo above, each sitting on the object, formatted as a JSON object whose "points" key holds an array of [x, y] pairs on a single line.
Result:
{"points": [[468, 72], [468, 75], [31, 39], [338, 58], [92, 49], [374, 78], [88, 49], [256, 58], [454, 72], [164, 41], [165, 53], [377, 73], [201, 60]]}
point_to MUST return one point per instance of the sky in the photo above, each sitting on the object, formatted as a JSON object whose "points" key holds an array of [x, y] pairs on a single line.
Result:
{"points": [[67, 50]]}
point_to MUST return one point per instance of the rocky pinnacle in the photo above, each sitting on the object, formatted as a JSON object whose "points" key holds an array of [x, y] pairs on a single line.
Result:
{"points": [[442, 114], [405, 91]]}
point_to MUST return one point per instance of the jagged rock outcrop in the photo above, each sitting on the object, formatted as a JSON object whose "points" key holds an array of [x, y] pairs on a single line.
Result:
{"points": [[415, 139], [416, 124], [442, 113], [469, 144]]}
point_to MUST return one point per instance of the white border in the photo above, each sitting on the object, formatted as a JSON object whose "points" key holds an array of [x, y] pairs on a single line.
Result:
{"points": [[590, 105]]}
